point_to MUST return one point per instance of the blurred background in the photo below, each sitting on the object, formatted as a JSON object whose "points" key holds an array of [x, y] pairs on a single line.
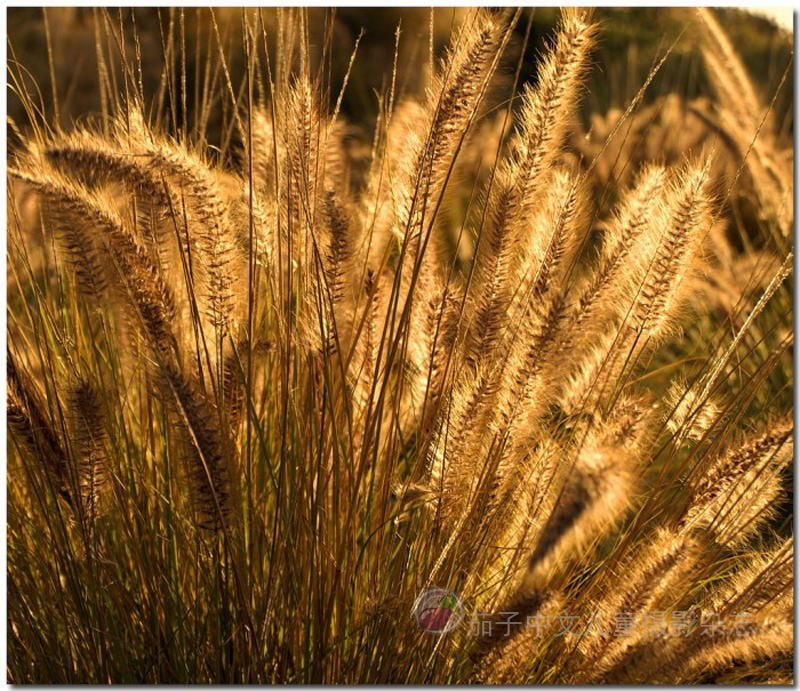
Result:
{"points": [[632, 40]]}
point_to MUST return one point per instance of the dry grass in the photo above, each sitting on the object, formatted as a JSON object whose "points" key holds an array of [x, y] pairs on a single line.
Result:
{"points": [[257, 400]]}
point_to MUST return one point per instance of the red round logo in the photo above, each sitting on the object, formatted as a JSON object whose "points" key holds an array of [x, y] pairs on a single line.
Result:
{"points": [[438, 611]]}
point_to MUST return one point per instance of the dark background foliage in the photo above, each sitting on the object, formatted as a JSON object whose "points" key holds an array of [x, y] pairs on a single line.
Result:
{"points": [[632, 41]]}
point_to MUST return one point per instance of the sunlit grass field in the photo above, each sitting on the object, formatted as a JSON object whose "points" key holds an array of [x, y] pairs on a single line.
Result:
{"points": [[310, 311]]}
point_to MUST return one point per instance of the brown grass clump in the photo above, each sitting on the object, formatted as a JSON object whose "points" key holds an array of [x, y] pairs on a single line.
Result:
{"points": [[262, 394]]}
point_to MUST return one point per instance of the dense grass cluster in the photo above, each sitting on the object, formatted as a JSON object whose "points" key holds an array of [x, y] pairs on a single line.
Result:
{"points": [[259, 398]]}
